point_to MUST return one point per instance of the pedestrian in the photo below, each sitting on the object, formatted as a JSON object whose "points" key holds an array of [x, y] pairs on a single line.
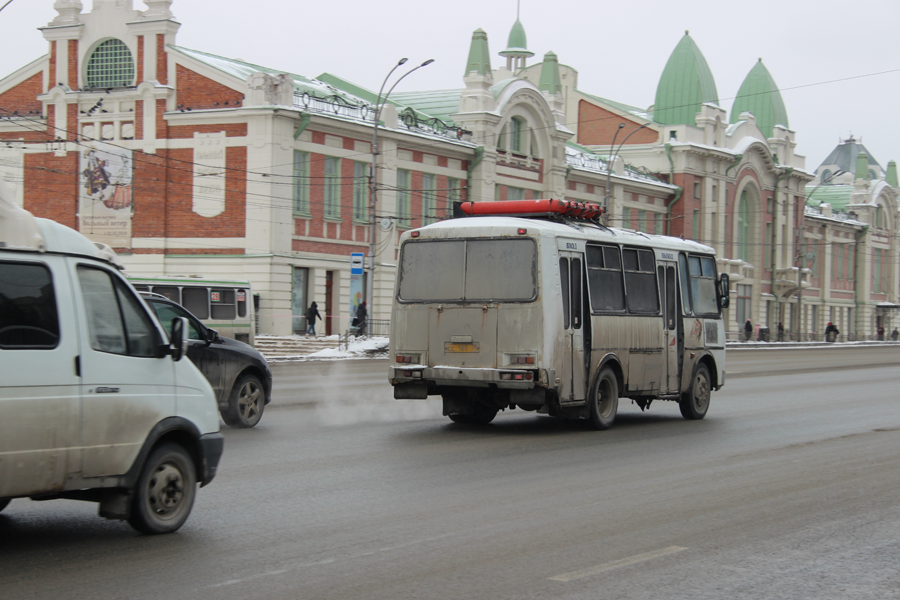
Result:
{"points": [[748, 330], [831, 332], [311, 314], [361, 317], [780, 332], [880, 333], [895, 334]]}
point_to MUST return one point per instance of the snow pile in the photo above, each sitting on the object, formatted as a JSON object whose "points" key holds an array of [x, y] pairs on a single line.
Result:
{"points": [[357, 349]]}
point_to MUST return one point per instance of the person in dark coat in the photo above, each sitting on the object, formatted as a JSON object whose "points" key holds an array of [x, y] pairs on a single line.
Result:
{"points": [[311, 314], [831, 332], [748, 330], [781, 332], [895, 334], [362, 314]]}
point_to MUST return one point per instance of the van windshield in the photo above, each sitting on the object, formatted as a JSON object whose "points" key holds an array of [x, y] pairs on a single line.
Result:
{"points": [[468, 270]]}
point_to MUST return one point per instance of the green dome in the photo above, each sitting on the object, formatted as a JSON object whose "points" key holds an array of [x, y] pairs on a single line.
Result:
{"points": [[760, 96], [518, 43], [550, 82], [685, 84], [479, 55]]}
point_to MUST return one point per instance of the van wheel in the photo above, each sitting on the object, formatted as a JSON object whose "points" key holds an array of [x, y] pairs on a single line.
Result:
{"points": [[165, 491], [246, 404], [695, 402], [4, 502], [604, 400]]}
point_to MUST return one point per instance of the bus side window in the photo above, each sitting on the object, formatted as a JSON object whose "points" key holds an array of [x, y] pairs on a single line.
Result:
{"points": [[670, 298], [196, 300], [242, 303], [576, 293], [170, 292], [685, 284], [222, 302], [605, 278], [640, 281]]}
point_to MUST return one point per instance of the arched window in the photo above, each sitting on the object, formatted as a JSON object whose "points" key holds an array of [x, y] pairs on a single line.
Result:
{"points": [[110, 65], [743, 228], [879, 217], [826, 175], [872, 175]]}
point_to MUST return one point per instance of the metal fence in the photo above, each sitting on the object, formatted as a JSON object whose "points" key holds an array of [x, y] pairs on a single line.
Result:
{"points": [[374, 328], [792, 336]]}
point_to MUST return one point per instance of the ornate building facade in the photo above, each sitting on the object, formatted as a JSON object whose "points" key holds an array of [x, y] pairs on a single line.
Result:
{"points": [[191, 163]]}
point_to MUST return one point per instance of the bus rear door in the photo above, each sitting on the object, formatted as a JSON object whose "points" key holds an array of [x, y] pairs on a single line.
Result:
{"points": [[668, 284]]}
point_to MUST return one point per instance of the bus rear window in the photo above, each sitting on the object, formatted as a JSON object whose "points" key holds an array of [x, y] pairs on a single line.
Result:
{"points": [[468, 270]]}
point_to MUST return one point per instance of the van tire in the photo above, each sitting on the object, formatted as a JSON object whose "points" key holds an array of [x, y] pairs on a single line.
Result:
{"points": [[604, 400], [165, 491], [246, 403], [4, 502], [695, 402]]}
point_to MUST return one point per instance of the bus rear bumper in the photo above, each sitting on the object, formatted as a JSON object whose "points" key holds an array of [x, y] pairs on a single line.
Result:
{"points": [[414, 378]]}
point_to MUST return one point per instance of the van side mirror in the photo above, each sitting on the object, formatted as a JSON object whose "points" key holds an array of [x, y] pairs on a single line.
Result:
{"points": [[724, 289], [179, 338], [211, 336]]}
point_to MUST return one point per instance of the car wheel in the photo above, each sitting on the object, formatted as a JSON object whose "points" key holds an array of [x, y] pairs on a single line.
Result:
{"points": [[604, 400], [165, 491], [4, 502], [695, 402], [246, 404]]}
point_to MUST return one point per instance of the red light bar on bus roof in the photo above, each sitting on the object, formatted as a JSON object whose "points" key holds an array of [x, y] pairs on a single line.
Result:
{"points": [[564, 208]]}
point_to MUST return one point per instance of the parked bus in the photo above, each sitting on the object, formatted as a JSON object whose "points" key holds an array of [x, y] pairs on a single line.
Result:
{"points": [[223, 305], [536, 305]]}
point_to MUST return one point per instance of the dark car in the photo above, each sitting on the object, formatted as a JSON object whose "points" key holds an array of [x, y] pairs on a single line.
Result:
{"points": [[238, 373]]}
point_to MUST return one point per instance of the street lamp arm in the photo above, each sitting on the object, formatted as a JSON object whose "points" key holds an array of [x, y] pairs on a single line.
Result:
{"points": [[424, 64]]}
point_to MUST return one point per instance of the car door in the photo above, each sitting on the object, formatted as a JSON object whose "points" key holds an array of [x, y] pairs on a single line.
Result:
{"points": [[207, 357], [39, 383], [128, 384]]}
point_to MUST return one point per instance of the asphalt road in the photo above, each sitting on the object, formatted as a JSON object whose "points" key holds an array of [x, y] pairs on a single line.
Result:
{"points": [[788, 489]]}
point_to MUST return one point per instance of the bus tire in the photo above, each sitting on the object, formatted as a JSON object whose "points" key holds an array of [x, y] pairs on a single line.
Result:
{"points": [[604, 400], [246, 403], [695, 402], [481, 415]]}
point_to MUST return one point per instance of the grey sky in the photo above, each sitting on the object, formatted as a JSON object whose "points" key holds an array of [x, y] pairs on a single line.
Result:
{"points": [[618, 48]]}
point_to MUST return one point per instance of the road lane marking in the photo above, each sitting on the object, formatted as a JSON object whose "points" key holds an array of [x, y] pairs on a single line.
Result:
{"points": [[622, 562]]}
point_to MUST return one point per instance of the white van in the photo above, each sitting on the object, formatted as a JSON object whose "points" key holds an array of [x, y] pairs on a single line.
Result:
{"points": [[95, 403]]}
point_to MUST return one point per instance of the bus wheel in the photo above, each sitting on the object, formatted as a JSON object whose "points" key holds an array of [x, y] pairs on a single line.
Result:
{"points": [[604, 400], [695, 402], [482, 415]]}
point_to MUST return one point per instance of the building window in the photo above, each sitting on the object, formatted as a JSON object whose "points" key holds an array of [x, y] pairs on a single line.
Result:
{"points": [[696, 226], [770, 205], [876, 272], [332, 187], [714, 193], [826, 175], [535, 153], [403, 185], [642, 220], [515, 193], [360, 205], [516, 134], [110, 65], [743, 228], [660, 226], [301, 182], [429, 204], [697, 190], [743, 303], [767, 247], [452, 194]]}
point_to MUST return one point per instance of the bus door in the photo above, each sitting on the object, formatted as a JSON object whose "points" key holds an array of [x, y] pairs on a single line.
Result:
{"points": [[668, 286], [572, 380]]}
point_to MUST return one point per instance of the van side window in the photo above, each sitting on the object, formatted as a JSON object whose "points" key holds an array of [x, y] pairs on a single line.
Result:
{"points": [[605, 278], [28, 315], [116, 319]]}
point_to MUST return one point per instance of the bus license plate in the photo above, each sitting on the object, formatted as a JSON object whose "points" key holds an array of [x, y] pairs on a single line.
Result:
{"points": [[460, 347]]}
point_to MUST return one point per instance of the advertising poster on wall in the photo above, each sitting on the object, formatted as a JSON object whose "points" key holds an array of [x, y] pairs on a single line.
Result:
{"points": [[105, 207], [12, 170], [356, 281]]}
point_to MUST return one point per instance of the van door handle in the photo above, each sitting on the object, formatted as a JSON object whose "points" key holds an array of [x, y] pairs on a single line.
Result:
{"points": [[78, 366]]}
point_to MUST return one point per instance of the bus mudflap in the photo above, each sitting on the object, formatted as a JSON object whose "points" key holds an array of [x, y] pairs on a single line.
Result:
{"points": [[411, 391]]}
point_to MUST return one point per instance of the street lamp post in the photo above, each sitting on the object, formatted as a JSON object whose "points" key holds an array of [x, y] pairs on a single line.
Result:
{"points": [[373, 184], [612, 157]]}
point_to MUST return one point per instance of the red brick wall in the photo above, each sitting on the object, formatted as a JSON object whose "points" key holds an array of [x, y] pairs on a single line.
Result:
{"points": [[23, 97], [324, 247], [598, 126], [51, 187], [162, 60], [139, 120], [73, 64], [188, 131], [140, 61], [198, 92]]}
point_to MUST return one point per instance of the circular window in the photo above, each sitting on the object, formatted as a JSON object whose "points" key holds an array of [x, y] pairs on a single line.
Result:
{"points": [[110, 65]]}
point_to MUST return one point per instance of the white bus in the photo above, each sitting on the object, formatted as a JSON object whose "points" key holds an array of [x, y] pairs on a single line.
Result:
{"points": [[223, 305], [528, 306]]}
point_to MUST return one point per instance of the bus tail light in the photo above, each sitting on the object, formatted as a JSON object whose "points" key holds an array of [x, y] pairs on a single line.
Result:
{"points": [[517, 376], [413, 374], [407, 358]]}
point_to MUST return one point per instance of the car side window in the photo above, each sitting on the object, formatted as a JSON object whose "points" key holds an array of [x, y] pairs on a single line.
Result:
{"points": [[28, 314], [116, 320], [167, 312]]}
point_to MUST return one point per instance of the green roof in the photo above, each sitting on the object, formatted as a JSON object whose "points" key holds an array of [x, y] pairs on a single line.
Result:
{"points": [[479, 54], [685, 84], [437, 103], [760, 96], [550, 81], [838, 196], [518, 43]]}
